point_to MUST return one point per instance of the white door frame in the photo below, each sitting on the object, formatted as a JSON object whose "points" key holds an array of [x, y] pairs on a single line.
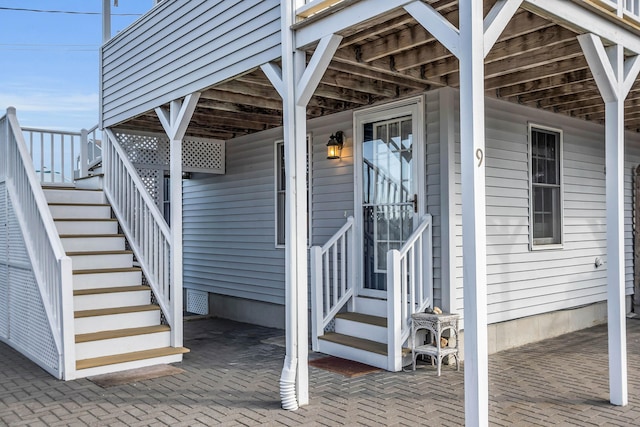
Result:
{"points": [[412, 106]]}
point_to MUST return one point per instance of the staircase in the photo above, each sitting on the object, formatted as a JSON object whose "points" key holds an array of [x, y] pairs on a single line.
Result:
{"points": [[373, 331], [117, 326], [361, 336]]}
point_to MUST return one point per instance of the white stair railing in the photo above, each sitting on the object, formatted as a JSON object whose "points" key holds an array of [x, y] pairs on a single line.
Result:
{"points": [[60, 157], [50, 264], [332, 279], [147, 232], [409, 287]]}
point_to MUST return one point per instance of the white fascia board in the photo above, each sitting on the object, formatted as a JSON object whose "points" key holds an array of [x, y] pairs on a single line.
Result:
{"points": [[345, 18], [580, 18]]}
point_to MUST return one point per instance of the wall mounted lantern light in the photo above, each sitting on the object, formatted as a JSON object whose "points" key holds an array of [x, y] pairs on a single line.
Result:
{"points": [[334, 146]]}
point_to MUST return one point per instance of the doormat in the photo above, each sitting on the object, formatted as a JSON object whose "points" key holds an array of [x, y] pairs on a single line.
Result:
{"points": [[134, 375], [345, 367]]}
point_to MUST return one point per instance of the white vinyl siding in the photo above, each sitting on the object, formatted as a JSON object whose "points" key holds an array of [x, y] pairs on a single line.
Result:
{"points": [[521, 282], [181, 47], [229, 219]]}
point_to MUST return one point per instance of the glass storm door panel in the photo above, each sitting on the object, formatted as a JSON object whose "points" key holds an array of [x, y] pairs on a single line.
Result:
{"points": [[388, 195]]}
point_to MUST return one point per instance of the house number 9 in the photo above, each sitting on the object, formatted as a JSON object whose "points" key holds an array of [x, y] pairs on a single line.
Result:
{"points": [[479, 156]]}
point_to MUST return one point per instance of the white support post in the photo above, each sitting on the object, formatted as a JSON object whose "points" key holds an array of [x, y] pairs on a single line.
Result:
{"points": [[472, 135], [296, 84], [67, 321], [614, 76], [175, 123], [448, 202], [83, 170], [106, 20], [394, 310], [317, 313], [470, 45]]}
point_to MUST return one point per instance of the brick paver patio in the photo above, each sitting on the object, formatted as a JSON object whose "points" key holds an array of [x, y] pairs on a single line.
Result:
{"points": [[231, 378]]}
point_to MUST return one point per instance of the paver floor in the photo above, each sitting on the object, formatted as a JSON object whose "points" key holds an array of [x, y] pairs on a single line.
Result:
{"points": [[231, 378]]}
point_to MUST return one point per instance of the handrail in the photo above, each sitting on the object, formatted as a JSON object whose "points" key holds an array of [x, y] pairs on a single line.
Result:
{"points": [[409, 287], [49, 262], [332, 279], [141, 220], [54, 153]]}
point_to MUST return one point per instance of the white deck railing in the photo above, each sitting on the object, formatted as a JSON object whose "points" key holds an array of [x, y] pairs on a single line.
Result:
{"points": [[59, 156], [622, 8], [49, 262], [147, 232], [409, 287], [332, 279]]}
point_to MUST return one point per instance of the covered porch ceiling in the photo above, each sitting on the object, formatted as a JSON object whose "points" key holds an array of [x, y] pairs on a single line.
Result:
{"points": [[536, 62]]}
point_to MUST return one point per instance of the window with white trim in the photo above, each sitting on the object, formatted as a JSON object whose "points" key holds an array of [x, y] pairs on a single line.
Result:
{"points": [[281, 190], [546, 186]]}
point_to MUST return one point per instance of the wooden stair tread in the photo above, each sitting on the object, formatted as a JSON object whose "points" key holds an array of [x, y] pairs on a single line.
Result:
{"points": [[67, 187], [79, 204], [51, 186], [129, 357], [85, 219], [120, 252], [110, 290], [88, 236], [364, 318], [99, 175], [121, 333], [108, 270], [116, 310], [359, 343]]}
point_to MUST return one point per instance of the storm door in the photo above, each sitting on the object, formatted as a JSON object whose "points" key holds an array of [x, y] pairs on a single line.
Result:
{"points": [[390, 168]]}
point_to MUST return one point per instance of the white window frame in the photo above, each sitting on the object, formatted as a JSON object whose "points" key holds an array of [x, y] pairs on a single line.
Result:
{"points": [[277, 164], [544, 244]]}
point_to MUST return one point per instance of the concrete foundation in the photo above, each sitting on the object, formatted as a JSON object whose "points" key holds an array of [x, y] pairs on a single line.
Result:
{"points": [[247, 311], [515, 333]]}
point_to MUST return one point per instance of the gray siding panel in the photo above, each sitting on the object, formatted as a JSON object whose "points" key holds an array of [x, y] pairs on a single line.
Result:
{"points": [[522, 282], [185, 46], [229, 220]]}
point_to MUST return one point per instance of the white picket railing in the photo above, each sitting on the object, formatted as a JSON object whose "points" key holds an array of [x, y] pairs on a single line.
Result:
{"points": [[49, 262], [332, 279], [409, 287], [147, 232], [59, 156], [630, 8]]}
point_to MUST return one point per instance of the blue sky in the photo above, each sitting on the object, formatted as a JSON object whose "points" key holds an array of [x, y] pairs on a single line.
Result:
{"points": [[49, 61]]}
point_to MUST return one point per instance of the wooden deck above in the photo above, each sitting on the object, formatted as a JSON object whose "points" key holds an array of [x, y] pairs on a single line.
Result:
{"points": [[537, 61]]}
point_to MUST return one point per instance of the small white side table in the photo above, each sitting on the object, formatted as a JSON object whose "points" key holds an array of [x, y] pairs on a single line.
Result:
{"points": [[436, 324]]}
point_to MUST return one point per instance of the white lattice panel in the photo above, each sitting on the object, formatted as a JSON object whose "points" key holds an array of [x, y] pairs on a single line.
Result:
{"points": [[145, 148], [151, 180], [197, 302], [198, 154], [16, 248], [203, 155], [29, 328]]}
